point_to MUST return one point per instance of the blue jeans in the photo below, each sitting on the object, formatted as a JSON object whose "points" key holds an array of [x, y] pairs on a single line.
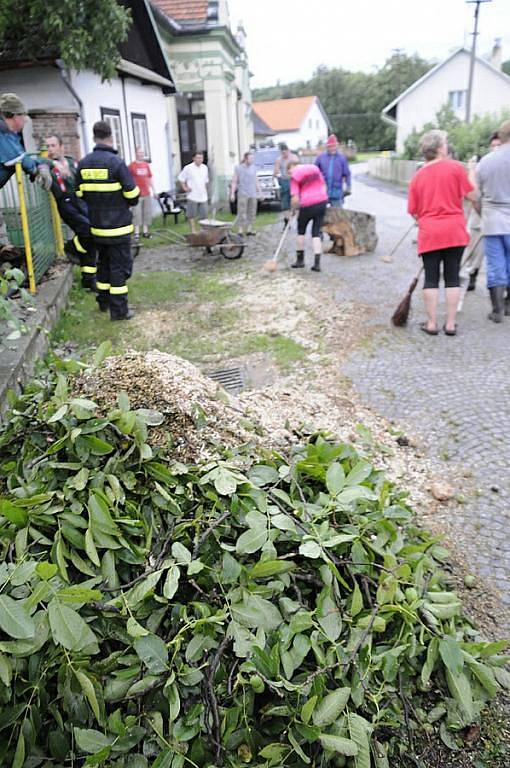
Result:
{"points": [[336, 203], [497, 251]]}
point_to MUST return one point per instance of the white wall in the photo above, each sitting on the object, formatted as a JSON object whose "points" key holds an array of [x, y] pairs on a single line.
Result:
{"points": [[142, 99], [491, 93], [314, 129], [37, 87]]}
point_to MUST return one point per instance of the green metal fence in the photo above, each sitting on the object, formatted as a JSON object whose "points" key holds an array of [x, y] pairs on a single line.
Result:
{"points": [[42, 224]]}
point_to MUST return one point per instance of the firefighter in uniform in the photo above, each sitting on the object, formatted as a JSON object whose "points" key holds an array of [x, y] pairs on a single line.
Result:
{"points": [[105, 183], [72, 210]]}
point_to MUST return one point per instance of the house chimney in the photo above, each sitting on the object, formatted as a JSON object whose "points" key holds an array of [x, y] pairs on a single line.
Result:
{"points": [[496, 55]]}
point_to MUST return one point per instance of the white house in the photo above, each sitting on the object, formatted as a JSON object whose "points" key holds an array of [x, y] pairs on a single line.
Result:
{"points": [[134, 102], [301, 123], [211, 110], [447, 83]]}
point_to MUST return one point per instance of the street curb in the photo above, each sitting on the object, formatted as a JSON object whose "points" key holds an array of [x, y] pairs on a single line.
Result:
{"points": [[17, 365]]}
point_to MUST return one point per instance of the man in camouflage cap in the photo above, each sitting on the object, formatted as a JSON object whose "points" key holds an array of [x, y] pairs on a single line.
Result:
{"points": [[13, 116]]}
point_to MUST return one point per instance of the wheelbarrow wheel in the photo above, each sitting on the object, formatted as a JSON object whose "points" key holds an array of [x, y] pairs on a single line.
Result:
{"points": [[232, 246]]}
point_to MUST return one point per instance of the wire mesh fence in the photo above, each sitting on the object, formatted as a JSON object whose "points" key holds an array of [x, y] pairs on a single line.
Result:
{"points": [[41, 229]]}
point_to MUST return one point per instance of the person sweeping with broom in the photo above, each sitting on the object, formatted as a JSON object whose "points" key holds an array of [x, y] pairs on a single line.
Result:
{"points": [[436, 193], [309, 194]]}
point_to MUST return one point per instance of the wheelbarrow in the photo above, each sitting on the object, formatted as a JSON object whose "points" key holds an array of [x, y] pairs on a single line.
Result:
{"points": [[213, 235]]}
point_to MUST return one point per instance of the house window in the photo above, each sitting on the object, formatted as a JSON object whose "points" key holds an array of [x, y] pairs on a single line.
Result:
{"points": [[457, 99], [141, 134], [112, 117]]}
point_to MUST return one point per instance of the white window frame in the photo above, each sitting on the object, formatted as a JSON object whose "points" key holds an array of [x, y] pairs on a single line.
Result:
{"points": [[112, 117], [457, 99], [141, 134]]}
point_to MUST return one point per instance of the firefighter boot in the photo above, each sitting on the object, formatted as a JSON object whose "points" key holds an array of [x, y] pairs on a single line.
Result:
{"points": [[472, 280], [317, 263], [507, 302], [497, 294], [300, 260]]}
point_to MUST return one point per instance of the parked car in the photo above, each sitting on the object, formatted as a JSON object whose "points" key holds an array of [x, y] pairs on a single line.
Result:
{"points": [[264, 160]]}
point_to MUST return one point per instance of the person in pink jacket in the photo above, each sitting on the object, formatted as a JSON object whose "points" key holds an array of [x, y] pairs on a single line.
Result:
{"points": [[309, 194]]}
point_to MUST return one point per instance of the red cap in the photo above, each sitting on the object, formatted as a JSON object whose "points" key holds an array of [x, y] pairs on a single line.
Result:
{"points": [[331, 140]]}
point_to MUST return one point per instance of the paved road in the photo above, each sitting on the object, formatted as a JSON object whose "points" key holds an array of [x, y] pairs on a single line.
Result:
{"points": [[452, 393]]}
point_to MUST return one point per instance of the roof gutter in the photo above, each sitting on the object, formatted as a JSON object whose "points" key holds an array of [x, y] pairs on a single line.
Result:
{"points": [[389, 120], [65, 79], [170, 24]]}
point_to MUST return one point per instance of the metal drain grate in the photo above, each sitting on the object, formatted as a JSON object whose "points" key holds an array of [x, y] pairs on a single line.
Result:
{"points": [[231, 379]]}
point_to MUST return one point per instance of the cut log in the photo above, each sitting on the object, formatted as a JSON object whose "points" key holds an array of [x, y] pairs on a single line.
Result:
{"points": [[352, 232]]}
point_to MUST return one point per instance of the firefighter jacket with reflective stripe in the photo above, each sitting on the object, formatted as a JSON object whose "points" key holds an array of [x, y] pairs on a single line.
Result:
{"points": [[105, 183]]}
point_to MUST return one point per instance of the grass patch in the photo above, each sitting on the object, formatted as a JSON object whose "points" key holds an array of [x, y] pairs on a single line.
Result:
{"points": [[185, 314]]}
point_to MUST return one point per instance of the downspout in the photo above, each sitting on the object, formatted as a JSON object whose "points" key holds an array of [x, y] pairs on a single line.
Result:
{"points": [[168, 132], [67, 83], [123, 81]]}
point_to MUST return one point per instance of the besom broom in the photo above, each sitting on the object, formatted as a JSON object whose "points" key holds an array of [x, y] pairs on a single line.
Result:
{"points": [[401, 314]]}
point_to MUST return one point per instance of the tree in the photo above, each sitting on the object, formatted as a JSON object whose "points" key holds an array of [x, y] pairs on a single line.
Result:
{"points": [[85, 34], [354, 100]]}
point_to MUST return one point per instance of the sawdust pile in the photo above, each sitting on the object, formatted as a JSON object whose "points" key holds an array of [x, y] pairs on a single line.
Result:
{"points": [[199, 416]]}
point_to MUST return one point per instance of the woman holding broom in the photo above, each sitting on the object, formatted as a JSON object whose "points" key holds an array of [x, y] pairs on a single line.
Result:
{"points": [[436, 194]]}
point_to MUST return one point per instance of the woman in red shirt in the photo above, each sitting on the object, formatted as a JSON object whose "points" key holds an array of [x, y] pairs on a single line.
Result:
{"points": [[142, 176], [436, 194]]}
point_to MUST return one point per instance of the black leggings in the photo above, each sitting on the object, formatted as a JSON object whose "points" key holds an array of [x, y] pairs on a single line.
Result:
{"points": [[451, 258], [313, 213]]}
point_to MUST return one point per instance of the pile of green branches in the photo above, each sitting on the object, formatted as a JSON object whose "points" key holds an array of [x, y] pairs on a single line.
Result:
{"points": [[284, 611]]}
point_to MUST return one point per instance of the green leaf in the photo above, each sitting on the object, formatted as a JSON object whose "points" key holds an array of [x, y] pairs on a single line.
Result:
{"points": [[89, 692], [484, 675], [91, 741], [171, 582], [225, 482], [307, 709], [143, 589], [360, 472], [15, 619], [77, 594], [359, 730], [58, 415], [5, 670], [46, 571], [310, 549], [451, 654], [251, 540], [297, 747], [153, 652], [69, 629], [329, 618], [330, 707], [181, 553], [338, 744], [261, 475], [19, 755], [102, 352], [134, 629], [255, 611], [265, 568], [13, 513], [432, 656], [150, 416], [196, 647], [356, 601], [460, 688], [335, 478], [90, 547]]}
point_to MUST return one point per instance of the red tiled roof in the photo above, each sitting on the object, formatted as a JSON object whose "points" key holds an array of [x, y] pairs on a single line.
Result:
{"points": [[183, 10], [284, 114]]}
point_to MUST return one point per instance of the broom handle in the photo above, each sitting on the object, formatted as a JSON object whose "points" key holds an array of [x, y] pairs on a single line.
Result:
{"points": [[282, 238], [397, 246]]}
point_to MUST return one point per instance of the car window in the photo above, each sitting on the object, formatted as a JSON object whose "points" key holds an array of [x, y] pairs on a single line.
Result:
{"points": [[265, 158]]}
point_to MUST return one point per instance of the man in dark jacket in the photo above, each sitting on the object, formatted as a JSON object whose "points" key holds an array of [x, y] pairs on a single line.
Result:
{"points": [[72, 209], [13, 116], [105, 183]]}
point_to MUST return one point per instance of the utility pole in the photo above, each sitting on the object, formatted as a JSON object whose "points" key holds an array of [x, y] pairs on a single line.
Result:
{"points": [[469, 94]]}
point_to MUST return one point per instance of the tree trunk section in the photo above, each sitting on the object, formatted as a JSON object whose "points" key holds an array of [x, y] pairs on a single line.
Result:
{"points": [[352, 232]]}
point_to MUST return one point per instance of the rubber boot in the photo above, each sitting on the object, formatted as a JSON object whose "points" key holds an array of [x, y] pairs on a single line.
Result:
{"points": [[497, 295], [300, 260], [317, 263], [507, 302], [472, 280]]}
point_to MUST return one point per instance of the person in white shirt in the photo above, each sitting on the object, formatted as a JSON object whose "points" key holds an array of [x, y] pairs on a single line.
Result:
{"points": [[194, 180]]}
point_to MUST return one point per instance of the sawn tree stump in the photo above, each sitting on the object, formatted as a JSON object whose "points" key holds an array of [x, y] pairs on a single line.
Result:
{"points": [[352, 232]]}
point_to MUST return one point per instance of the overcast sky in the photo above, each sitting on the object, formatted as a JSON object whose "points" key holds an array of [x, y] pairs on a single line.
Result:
{"points": [[288, 39]]}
